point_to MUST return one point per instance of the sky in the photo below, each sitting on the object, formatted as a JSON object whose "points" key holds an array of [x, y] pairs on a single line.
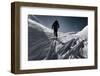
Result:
{"points": [[66, 23]]}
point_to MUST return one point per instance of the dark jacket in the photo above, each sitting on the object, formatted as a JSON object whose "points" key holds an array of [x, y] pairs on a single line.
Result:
{"points": [[55, 25]]}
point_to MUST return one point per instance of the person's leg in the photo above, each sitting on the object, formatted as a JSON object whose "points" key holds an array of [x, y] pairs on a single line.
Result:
{"points": [[56, 33]]}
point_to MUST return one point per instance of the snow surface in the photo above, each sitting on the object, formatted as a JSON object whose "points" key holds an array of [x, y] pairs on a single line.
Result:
{"points": [[83, 34], [44, 46]]}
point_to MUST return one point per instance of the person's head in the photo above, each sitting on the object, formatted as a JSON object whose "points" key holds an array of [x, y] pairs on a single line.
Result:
{"points": [[56, 21]]}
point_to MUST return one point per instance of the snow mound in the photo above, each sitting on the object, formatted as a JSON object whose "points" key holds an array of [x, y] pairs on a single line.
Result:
{"points": [[83, 34]]}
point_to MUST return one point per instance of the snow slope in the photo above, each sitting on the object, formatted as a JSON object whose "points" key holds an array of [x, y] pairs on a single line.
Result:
{"points": [[83, 34], [43, 46]]}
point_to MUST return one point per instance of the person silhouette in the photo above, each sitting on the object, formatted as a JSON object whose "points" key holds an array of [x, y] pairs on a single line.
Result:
{"points": [[55, 27]]}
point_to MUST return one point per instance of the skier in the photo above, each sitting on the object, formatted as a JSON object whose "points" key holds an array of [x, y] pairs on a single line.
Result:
{"points": [[55, 27]]}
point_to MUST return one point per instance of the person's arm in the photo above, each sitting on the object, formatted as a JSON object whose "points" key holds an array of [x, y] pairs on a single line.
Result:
{"points": [[58, 25], [53, 25]]}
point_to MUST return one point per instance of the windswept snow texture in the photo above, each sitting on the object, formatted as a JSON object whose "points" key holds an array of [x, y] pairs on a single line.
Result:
{"points": [[42, 45]]}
